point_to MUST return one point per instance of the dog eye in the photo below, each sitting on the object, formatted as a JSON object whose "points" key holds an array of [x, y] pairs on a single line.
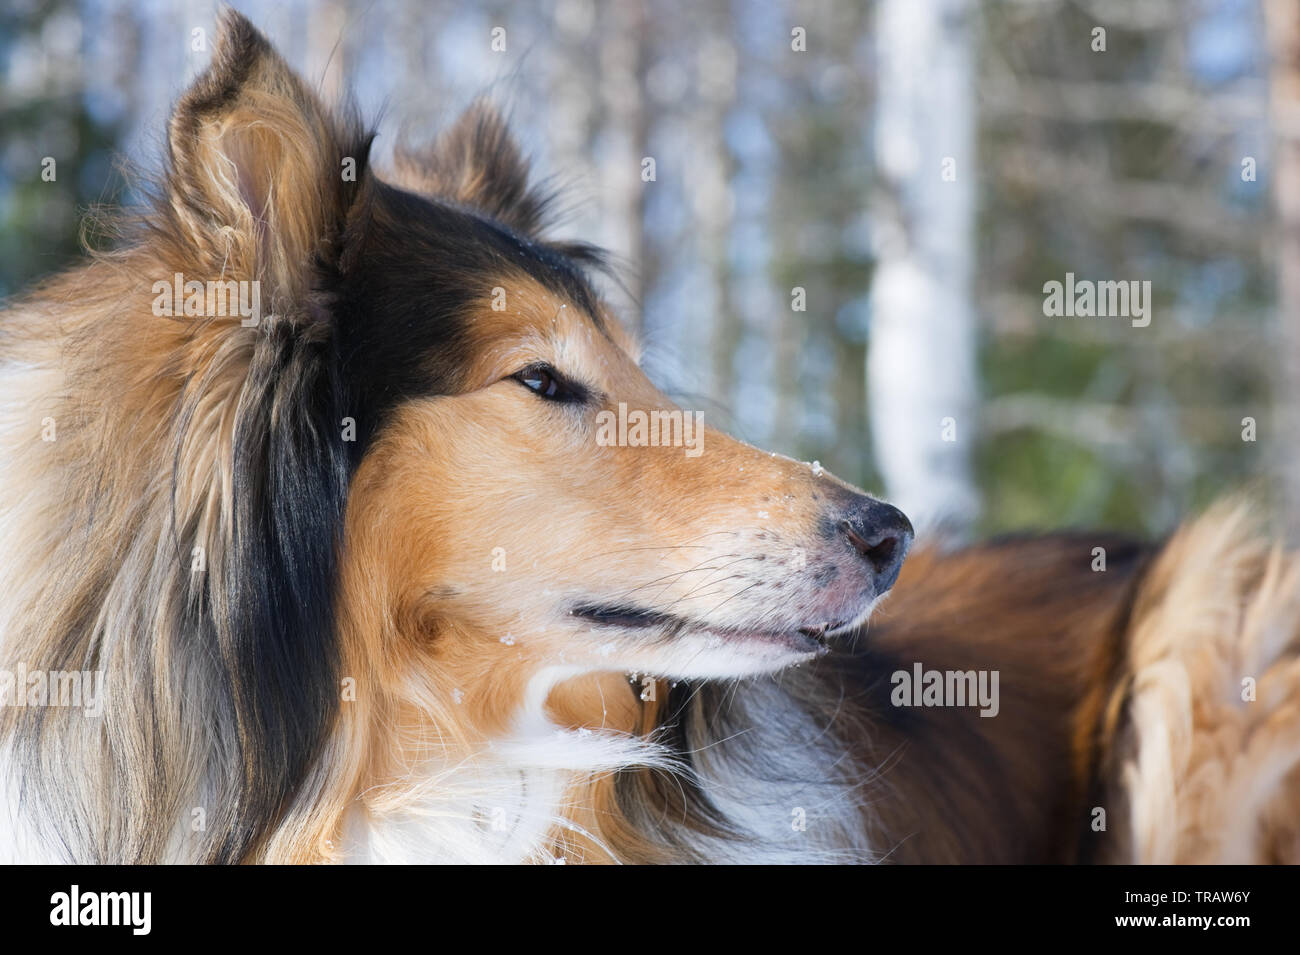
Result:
{"points": [[547, 382]]}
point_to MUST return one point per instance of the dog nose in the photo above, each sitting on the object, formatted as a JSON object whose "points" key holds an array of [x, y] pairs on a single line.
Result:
{"points": [[881, 534]]}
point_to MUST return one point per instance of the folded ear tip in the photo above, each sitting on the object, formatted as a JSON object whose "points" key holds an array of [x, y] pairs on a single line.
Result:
{"points": [[237, 43], [236, 33], [238, 47]]}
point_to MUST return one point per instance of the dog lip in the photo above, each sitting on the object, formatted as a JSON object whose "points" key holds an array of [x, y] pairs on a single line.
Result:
{"points": [[625, 616], [803, 640], [810, 639], [820, 631]]}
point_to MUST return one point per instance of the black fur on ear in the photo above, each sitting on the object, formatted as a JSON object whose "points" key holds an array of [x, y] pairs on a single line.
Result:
{"points": [[258, 188]]}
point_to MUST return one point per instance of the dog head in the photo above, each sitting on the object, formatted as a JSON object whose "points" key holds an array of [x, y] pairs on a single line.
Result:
{"points": [[351, 467], [519, 488]]}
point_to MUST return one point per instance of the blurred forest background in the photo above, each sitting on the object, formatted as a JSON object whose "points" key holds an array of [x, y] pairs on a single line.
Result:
{"points": [[855, 208]]}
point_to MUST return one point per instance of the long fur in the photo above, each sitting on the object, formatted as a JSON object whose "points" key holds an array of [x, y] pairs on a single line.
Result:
{"points": [[178, 442], [1207, 759], [276, 543]]}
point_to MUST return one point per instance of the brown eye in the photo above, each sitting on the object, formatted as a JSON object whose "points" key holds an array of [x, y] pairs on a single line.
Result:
{"points": [[544, 380]]}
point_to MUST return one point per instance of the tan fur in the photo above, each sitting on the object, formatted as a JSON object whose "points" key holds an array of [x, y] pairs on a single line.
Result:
{"points": [[1126, 684], [1208, 776], [426, 619], [443, 649], [145, 408], [473, 163]]}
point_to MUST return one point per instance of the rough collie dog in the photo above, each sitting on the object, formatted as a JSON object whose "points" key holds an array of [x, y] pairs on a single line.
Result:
{"points": [[314, 551]]}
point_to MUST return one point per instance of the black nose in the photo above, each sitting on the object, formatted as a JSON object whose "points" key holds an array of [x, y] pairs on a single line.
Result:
{"points": [[881, 534]]}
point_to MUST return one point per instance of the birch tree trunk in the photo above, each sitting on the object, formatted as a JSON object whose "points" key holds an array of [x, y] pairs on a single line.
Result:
{"points": [[1283, 20], [921, 359]]}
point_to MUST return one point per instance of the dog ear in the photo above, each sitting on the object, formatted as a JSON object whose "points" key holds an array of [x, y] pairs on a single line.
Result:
{"points": [[265, 185], [261, 175], [477, 163]]}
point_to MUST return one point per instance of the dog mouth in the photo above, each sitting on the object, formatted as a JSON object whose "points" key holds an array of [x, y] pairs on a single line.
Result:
{"points": [[809, 638]]}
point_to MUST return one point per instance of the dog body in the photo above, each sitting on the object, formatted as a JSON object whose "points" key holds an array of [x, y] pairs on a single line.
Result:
{"points": [[318, 470]]}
